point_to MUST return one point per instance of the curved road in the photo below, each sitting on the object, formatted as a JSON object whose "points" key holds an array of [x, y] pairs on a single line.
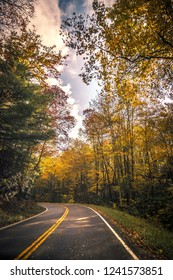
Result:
{"points": [[63, 232]]}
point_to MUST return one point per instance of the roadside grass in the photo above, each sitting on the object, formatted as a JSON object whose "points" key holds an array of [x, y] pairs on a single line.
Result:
{"points": [[18, 212], [151, 237]]}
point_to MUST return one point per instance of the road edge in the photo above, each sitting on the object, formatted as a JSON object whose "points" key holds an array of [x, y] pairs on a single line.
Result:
{"points": [[116, 234], [22, 221]]}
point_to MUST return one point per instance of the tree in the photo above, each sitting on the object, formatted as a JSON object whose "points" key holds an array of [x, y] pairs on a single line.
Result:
{"points": [[15, 13], [26, 50], [130, 38], [31, 112]]}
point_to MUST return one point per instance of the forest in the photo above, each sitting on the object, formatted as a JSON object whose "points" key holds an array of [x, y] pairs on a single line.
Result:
{"points": [[123, 156], [35, 117]]}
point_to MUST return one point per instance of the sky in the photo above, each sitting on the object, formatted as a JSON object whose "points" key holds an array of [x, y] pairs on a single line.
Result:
{"points": [[47, 21]]}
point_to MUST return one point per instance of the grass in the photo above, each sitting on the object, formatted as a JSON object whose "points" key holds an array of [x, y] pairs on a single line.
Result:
{"points": [[18, 211], [155, 239]]}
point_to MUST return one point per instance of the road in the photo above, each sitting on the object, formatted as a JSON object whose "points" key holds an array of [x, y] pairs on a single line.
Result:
{"points": [[63, 232]]}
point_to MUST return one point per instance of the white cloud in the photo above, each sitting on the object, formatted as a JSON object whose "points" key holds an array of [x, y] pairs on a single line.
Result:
{"points": [[76, 113], [70, 9], [88, 6], [75, 110], [47, 21], [109, 2], [74, 73], [75, 107]]}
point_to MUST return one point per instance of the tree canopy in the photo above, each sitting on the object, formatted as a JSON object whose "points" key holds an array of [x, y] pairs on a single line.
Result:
{"points": [[15, 13], [128, 40], [34, 115]]}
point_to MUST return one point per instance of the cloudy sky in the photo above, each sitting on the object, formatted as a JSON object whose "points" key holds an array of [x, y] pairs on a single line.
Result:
{"points": [[47, 20]]}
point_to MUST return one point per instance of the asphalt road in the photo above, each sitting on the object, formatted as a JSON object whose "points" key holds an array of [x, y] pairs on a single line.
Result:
{"points": [[64, 232]]}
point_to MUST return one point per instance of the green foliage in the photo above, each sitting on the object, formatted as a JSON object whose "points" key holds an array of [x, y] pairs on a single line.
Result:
{"points": [[32, 113], [18, 209]]}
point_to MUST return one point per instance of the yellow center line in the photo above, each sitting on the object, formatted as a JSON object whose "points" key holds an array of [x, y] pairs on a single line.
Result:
{"points": [[29, 250]]}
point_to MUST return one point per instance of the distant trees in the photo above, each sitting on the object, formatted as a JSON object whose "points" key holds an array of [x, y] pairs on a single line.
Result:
{"points": [[126, 160], [131, 154], [68, 176]]}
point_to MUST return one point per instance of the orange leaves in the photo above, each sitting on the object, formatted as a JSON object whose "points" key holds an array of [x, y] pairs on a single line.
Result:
{"points": [[69, 163]]}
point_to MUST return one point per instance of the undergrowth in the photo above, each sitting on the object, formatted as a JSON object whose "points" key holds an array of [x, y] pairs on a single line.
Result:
{"points": [[155, 238]]}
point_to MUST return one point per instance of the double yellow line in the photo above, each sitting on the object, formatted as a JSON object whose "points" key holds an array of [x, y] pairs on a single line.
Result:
{"points": [[29, 250]]}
